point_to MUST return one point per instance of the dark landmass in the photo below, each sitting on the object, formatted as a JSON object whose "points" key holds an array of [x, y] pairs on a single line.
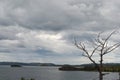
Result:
{"points": [[108, 67], [16, 66], [69, 68]]}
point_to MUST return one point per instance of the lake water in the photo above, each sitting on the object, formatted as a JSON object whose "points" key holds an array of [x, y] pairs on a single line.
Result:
{"points": [[49, 73]]}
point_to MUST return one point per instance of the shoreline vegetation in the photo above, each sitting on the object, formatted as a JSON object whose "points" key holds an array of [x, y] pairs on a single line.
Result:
{"points": [[90, 67]]}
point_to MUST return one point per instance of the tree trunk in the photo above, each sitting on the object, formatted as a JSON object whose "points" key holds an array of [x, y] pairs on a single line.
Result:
{"points": [[101, 67], [100, 76]]}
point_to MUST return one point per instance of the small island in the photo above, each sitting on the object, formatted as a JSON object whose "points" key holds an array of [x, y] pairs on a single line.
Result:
{"points": [[16, 65]]}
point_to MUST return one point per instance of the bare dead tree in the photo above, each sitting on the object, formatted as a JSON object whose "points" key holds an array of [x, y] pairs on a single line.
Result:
{"points": [[100, 46]]}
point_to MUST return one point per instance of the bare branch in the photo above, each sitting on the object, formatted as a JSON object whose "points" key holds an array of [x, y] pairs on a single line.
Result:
{"points": [[94, 50], [98, 40], [109, 36], [100, 45], [111, 48], [76, 44]]}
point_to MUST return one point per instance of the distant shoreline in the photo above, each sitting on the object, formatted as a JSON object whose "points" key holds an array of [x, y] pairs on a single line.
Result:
{"points": [[106, 68], [27, 64]]}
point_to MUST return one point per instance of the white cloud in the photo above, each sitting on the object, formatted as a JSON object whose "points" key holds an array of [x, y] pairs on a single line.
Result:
{"points": [[50, 41], [27, 26]]}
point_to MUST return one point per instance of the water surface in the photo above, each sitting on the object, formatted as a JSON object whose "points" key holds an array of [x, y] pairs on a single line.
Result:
{"points": [[49, 73]]}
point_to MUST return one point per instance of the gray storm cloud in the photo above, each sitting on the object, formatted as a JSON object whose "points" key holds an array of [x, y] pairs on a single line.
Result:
{"points": [[55, 15], [48, 26]]}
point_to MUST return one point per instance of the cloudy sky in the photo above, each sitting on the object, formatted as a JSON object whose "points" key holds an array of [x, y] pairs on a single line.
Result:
{"points": [[43, 30]]}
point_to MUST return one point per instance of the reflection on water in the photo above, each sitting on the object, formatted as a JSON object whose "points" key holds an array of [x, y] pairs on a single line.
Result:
{"points": [[49, 73]]}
